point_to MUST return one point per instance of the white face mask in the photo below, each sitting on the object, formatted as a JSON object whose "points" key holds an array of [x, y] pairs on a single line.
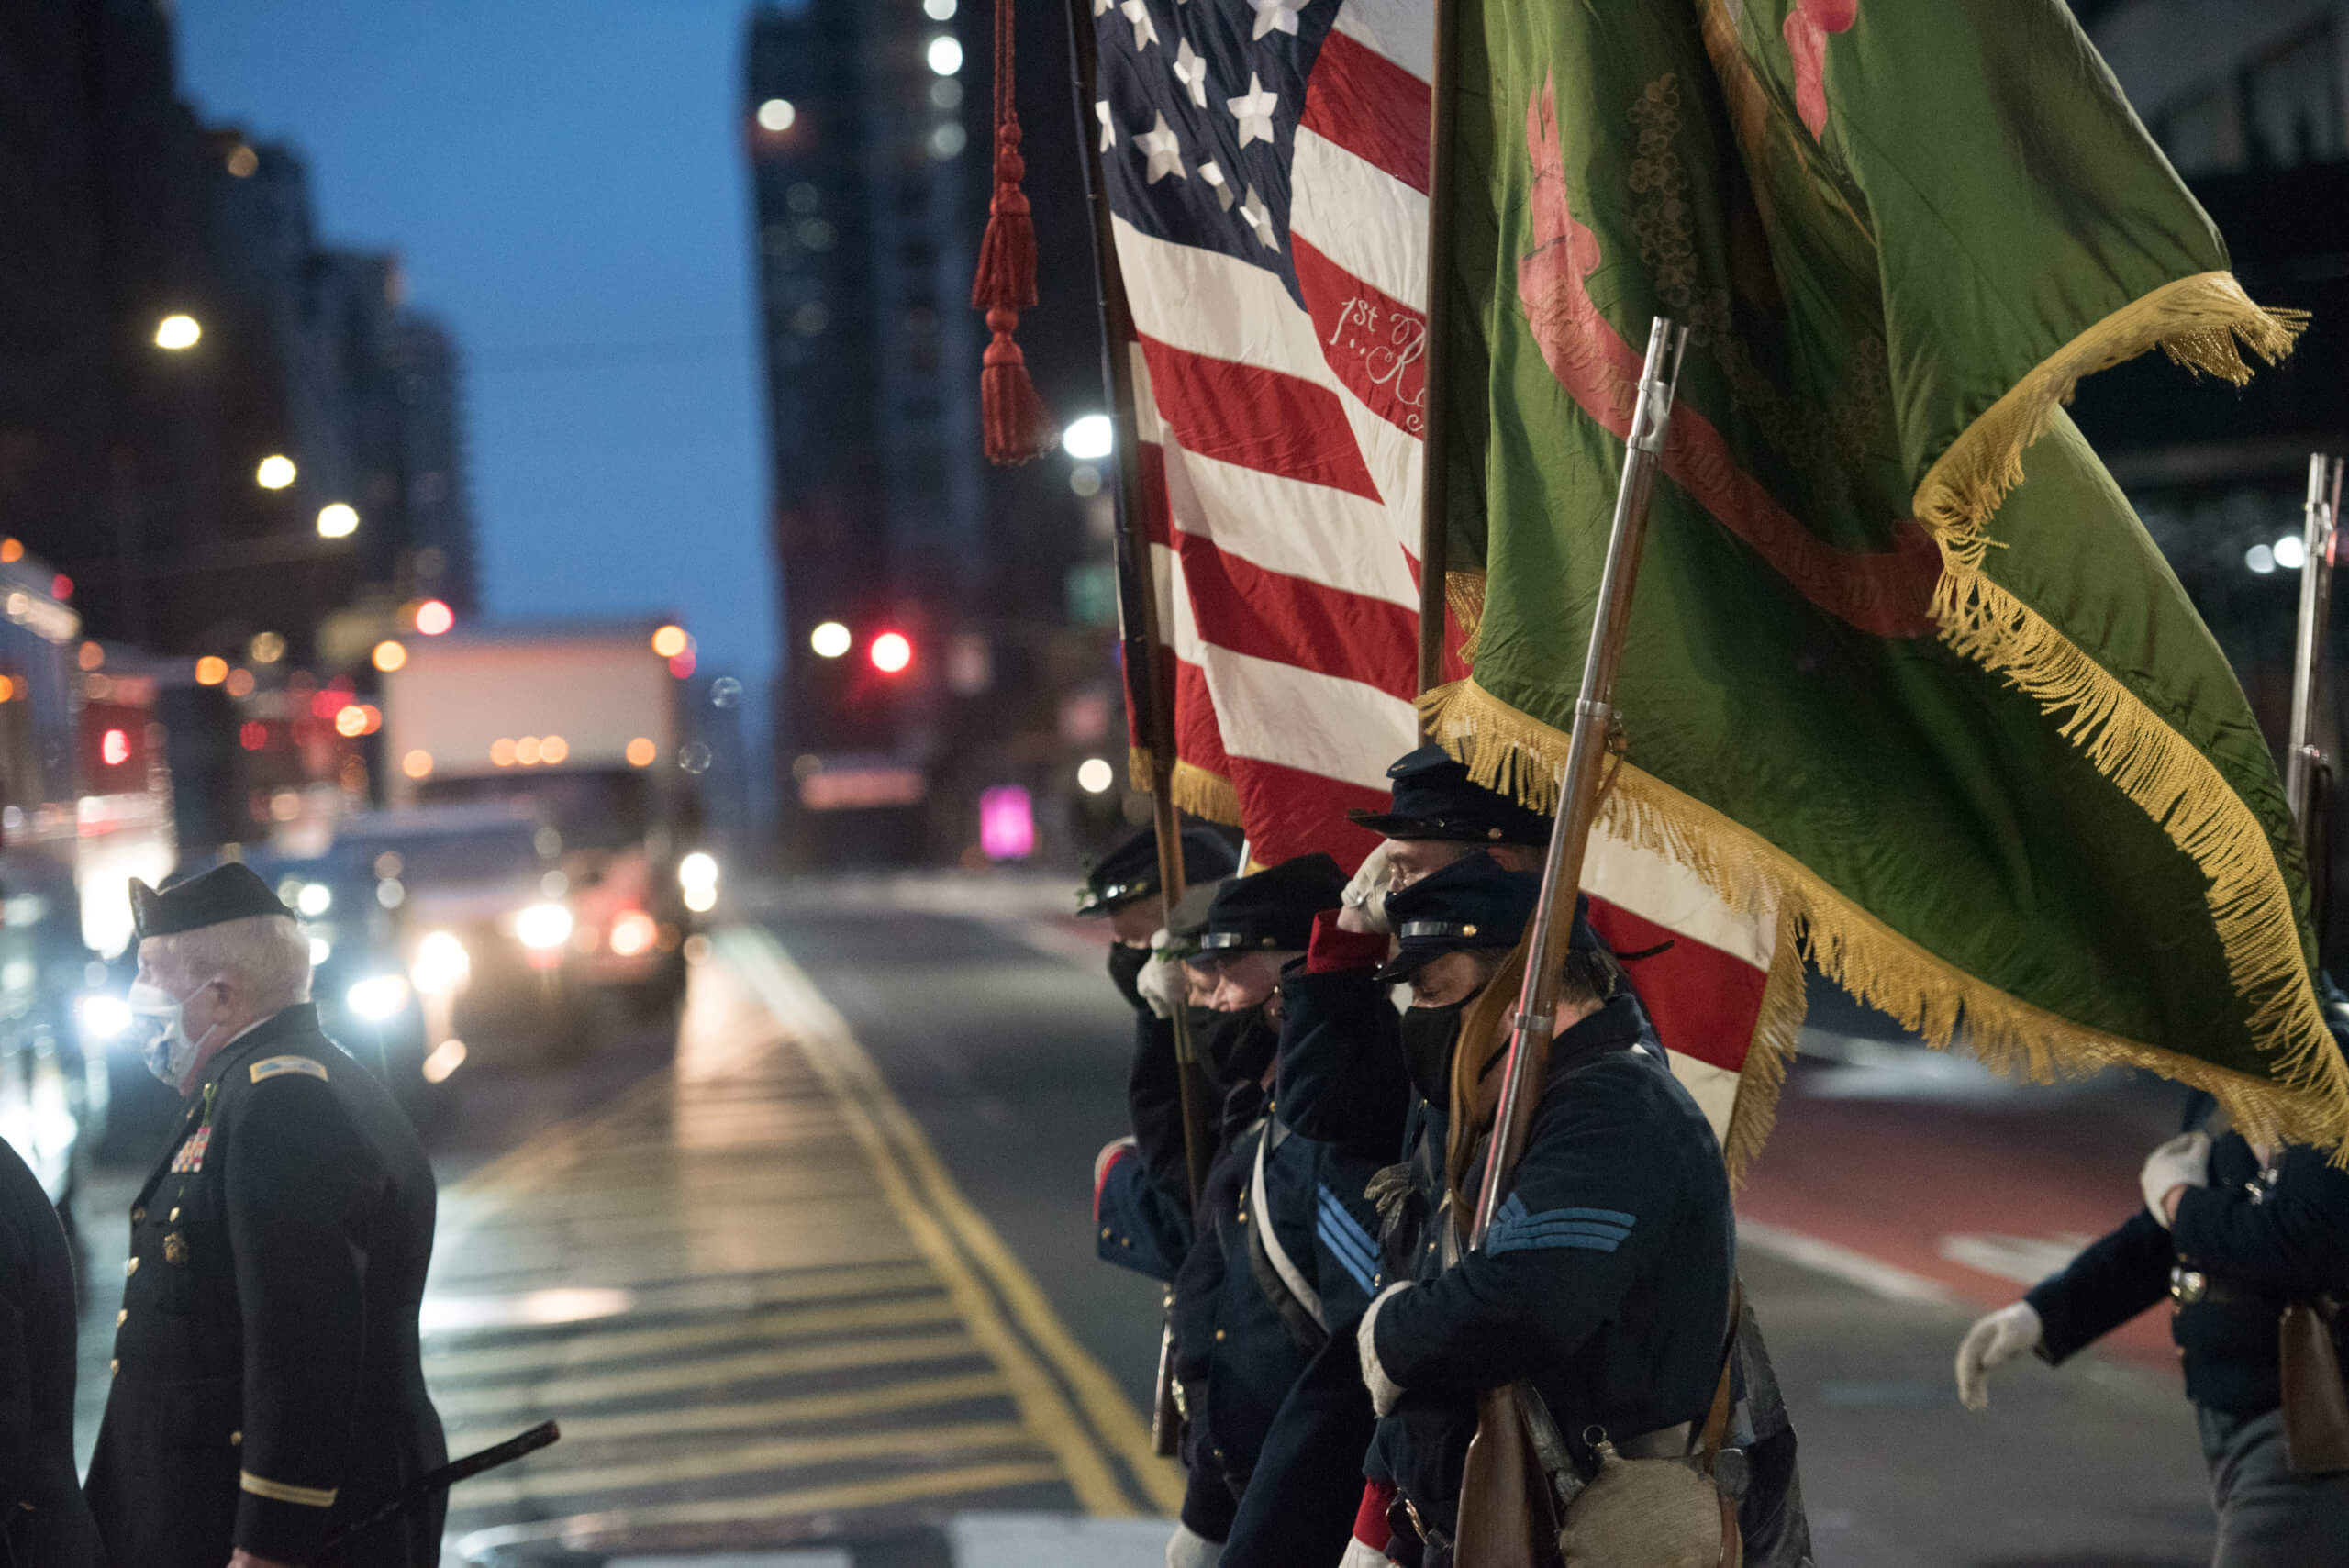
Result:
{"points": [[161, 1023]]}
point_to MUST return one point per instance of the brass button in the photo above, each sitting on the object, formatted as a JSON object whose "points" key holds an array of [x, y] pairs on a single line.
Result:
{"points": [[175, 1249], [1219, 1334], [236, 1440], [1105, 1233], [139, 1215], [114, 1368], [122, 1316], [129, 1267], [175, 1212]]}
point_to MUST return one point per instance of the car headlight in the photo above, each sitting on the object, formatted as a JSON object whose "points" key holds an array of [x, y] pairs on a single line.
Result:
{"points": [[543, 926], [441, 963], [314, 900], [701, 900], [102, 1017], [697, 870], [378, 997], [634, 932]]}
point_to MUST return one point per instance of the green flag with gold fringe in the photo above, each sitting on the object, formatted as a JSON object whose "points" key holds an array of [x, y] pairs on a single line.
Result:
{"points": [[1902, 662]]}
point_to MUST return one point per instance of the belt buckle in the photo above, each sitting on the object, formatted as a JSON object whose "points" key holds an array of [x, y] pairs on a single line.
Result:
{"points": [[2187, 1286]]}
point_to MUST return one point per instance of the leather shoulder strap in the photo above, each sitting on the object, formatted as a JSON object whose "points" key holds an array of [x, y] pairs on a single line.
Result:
{"points": [[1716, 1428]]}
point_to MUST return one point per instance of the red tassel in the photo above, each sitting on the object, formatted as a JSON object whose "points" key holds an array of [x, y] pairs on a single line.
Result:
{"points": [[1018, 428]]}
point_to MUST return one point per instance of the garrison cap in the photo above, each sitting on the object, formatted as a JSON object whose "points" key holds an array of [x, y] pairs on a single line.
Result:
{"points": [[1434, 798], [1130, 872], [232, 891], [1475, 902], [1272, 910]]}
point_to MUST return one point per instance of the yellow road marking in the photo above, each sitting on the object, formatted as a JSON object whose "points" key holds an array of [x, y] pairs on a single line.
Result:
{"points": [[874, 1401], [791, 1505], [832, 1048], [823, 1036], [593, 1348], [838, 1356], [751, 1459]]}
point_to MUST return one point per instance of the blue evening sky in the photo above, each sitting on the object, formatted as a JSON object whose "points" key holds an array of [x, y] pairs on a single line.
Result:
{"points": [[565, 182]]}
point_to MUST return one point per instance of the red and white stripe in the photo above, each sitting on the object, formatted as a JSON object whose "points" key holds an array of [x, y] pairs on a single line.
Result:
{"points": [[1283, 460]]}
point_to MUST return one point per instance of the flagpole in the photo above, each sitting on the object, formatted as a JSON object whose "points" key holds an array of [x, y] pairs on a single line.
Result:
{"points": [[1497, 1491], [1434, 427], [1149, 681]]}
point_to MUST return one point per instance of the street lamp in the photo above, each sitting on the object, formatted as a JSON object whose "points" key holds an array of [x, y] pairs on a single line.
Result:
{"points": [[177, 331], [275, 472], [829, 641], [1087, 440], [338, 520]]}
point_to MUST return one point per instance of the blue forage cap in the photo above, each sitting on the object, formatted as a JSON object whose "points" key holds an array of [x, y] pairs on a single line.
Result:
{"points": [[1130, 872], [1475, 902], [1434, 798], [1272, 910]]}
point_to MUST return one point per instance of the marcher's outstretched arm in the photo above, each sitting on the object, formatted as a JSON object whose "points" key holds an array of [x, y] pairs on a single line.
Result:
{"points": [[2116, 1278]]}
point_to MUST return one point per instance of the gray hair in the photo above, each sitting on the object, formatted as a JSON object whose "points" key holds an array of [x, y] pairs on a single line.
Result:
{"points": [[266, 954]]}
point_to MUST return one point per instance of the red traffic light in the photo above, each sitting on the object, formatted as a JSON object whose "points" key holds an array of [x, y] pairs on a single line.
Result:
{"points": [[890, 652]]}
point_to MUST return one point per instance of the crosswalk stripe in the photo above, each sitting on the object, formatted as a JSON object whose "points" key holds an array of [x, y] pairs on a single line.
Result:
{"points": [[839, 1356], [832, 1048], [879, 1399], [751, 1459], [501, 1315], [497, 1362], [887, 1141], [836, 1498]]}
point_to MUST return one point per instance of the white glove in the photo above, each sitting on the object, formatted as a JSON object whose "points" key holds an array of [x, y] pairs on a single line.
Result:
{"points": [[1188, 1549], [2183, 1162], [1384, 1390], [1368, 890], [1160, 983], [1994, 1342]]}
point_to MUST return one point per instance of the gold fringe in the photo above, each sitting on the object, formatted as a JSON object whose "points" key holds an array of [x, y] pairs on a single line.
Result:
{"points": [[1777, 1036], [1205, 794], [2306, 1100], [1463, 595], [2196, 320]]}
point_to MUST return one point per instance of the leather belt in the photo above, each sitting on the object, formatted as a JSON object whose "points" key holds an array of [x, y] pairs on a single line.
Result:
{"points": [[2192, 1287]]}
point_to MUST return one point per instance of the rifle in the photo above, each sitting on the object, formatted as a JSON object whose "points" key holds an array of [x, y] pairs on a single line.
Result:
{"points": [[1149, 685], [448, 1476], [2307, 770], [1506, 1511]]}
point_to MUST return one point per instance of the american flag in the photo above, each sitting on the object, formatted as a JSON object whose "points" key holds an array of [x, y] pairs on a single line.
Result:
{"points": [[1266, 166]]}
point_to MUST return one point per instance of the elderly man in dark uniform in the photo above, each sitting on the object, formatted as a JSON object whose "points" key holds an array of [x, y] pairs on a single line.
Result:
{"points": [[2230, 1231], [43, 1521], [268, 1386]]}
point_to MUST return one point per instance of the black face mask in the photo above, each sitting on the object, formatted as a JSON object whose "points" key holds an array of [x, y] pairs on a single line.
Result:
{"points": [[1125, 968], [1238, 1047], [1431, 1035]]}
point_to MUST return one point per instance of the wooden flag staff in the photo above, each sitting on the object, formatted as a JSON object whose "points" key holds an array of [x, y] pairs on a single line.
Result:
{"points": [[1149, 676], [1498, 1489]]}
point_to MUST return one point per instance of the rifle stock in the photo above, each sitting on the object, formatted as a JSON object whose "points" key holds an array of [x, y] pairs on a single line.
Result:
{"points": [[1509, 1516], [1494, 1489]]}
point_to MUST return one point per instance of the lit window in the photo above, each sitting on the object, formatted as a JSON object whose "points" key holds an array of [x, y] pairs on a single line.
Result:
{"points": [[945, 55], [776, 113]]}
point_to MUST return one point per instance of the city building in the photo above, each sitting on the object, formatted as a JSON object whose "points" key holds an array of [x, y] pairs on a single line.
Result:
{"points": [[946, 631], [2250, 99]]}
